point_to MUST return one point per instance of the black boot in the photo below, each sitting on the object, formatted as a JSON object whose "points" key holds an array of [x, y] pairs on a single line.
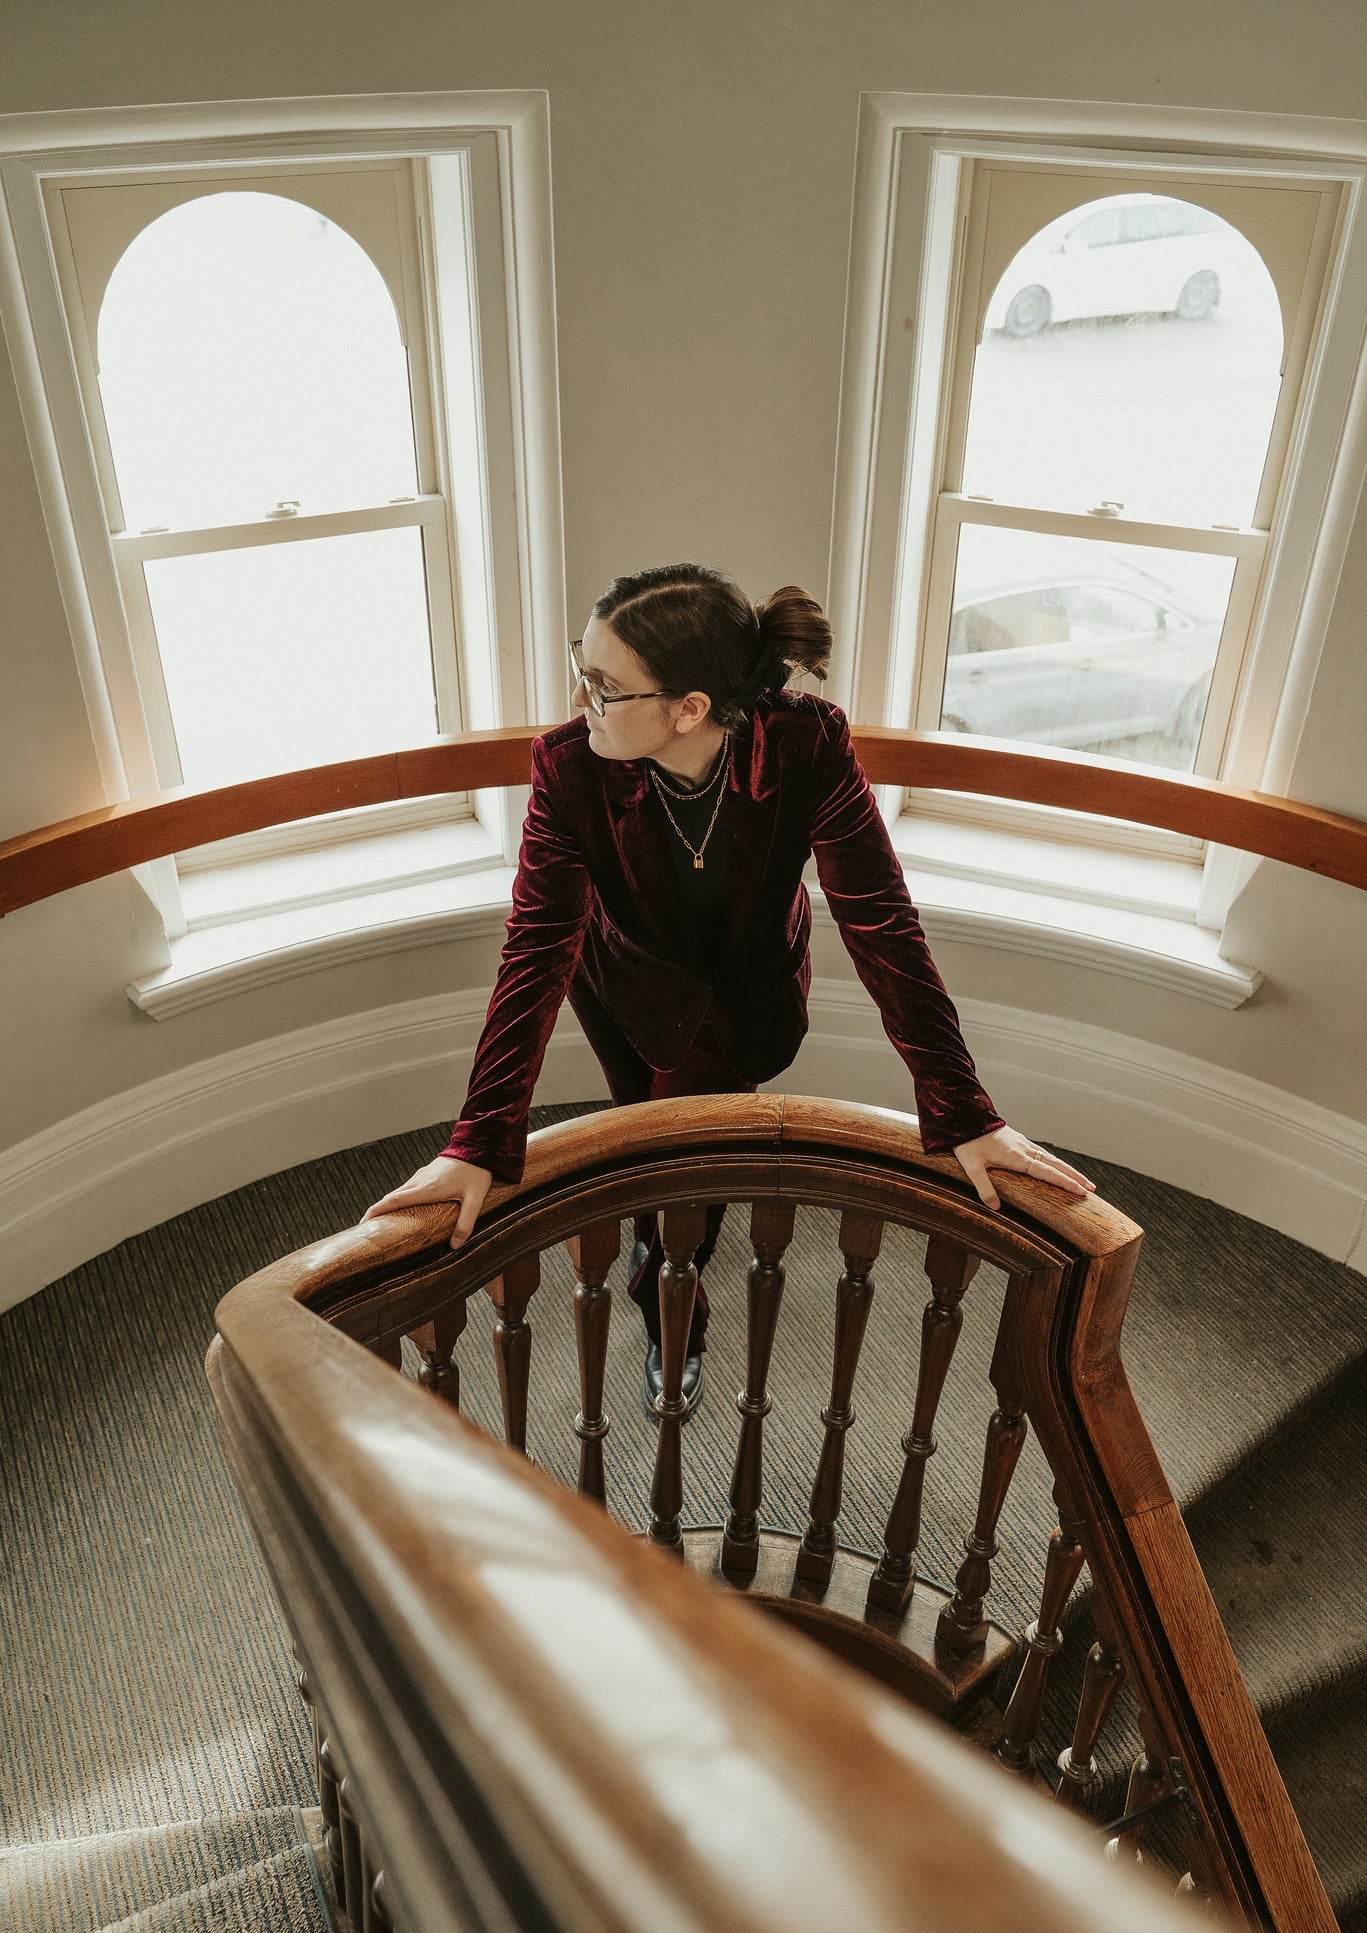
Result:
{"points": [[654, 1364], [654, 1382]]}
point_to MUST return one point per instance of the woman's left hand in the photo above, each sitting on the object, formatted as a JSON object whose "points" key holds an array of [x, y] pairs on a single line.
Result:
{"points": [[1008, 1148]]}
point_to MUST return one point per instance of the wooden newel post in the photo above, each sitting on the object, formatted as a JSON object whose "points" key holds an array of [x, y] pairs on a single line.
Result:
{"points": [[962, 1627], [950, 1269], [771, 1230], [861, 1237], [592, 1253], [436, 1343], [510, 1293], [681, 1231]]}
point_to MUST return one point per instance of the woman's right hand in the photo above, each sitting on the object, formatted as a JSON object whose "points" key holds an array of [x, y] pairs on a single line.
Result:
{"points": [[443, 1179]]}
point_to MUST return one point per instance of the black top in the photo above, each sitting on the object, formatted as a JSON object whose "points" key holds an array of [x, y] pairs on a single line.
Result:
{"points": [[703, 888]]}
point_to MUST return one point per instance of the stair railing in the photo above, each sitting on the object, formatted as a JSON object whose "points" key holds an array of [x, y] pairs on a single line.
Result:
{"points": [[1056, 1369], [92, 845], [526, 1718]]}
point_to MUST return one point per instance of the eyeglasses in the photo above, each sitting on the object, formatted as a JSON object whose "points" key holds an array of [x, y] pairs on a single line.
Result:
{"points": [[598, 702]]}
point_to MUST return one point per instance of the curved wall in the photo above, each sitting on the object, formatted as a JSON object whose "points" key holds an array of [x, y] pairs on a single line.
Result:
{"points": [[703, 161]]}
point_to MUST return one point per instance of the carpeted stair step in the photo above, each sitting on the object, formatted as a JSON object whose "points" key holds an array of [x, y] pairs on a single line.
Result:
{"points": [[1321, 1747], [276, 1895], [117, 1878], [1277, 1543], [1232, 1328]]}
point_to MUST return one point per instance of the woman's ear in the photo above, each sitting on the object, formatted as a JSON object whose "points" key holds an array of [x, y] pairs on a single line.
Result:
{"points": [[691, 711]]}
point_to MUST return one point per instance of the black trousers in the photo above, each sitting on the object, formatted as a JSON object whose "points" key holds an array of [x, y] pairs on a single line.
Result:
{"points": [[704, 1069]]}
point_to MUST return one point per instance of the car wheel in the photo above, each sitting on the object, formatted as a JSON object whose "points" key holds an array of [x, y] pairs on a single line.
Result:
{"points": [[1029, 312], [1199, 295]]}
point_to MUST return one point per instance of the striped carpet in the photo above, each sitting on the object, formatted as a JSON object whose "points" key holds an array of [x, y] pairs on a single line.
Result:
{"points": [[151, 1694]]}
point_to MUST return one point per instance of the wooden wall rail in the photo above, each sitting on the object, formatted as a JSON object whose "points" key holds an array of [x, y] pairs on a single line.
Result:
{"points": [[382, 1279], [95, 844], [547, 1723]]}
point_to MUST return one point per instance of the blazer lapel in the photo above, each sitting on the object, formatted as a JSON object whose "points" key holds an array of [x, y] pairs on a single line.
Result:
{"points": [[753, 813]]}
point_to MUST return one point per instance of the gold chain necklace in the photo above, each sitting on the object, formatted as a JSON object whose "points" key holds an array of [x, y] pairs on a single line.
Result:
{"points": [[703, 790], [661, 789]]}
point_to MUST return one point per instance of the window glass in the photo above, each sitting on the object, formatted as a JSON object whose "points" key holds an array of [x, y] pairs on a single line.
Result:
{"points": [[1092, 647], [250, 355], [294, 653], [1132, 356]]}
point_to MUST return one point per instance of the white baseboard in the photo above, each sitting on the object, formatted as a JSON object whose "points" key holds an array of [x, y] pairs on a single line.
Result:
{"points": [[133, 1161], [125, 1165], [1282, 1160]]}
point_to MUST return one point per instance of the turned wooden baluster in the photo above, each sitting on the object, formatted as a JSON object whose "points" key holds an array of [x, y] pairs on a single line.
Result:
{"points": [[771, 1230], [510, 1294], [680, 1233], [375, 1918], [351, 1891], [436, 1343], [951, 1269], [861, 1237], [962, 1626], [328, 1779], [1149, 1780], [304, 1686], [1102, 1676], [1043, 1641], [377, 1905], [592, 1253]]}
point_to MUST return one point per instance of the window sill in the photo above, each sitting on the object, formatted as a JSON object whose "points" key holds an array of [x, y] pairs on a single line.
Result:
{"points": [[236, 952], [1116, 913], [330, 873], [1122, 913]]}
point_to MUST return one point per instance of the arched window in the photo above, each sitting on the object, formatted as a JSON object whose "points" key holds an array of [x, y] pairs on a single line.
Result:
{"points": [[1125, 370], [254, 380], [249, 354]]}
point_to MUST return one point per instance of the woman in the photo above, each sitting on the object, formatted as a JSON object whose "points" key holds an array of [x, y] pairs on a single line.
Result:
{"points": [[659, 888]]}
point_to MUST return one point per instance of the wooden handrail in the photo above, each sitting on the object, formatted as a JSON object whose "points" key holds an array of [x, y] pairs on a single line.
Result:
{"points": [[1073, 1263], [93, 845], [543, 1716]]}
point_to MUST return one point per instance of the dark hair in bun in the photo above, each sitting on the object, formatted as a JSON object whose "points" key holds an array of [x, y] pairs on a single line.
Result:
{"points": [[694, 629]]}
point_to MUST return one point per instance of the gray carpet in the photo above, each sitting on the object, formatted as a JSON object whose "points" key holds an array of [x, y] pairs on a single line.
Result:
{"points": [[153, 1676], [251, 1869]]}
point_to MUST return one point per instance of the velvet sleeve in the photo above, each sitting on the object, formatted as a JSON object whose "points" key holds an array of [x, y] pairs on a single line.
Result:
{"points": [[552, 897], [865, 889]]}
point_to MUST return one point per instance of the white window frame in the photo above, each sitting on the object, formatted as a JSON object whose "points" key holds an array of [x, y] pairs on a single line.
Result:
{"points": [[477, 295], [899, 327]]}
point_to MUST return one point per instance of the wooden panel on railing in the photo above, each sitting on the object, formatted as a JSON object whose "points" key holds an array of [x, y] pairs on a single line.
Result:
{"points": [[94, 844]]}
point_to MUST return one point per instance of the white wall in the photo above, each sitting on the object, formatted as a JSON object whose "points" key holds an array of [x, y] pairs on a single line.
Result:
{"points": [[703, 160]]}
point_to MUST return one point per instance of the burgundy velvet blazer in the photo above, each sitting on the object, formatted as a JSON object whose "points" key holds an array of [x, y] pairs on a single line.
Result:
{"points": [[596, 895]]}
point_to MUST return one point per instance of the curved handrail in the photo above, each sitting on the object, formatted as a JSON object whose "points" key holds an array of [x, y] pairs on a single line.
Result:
{"points": [[93, 845], [546, 1709], [382, 1279]]}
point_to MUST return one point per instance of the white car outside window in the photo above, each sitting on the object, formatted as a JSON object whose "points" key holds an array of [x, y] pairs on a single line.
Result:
{"points": [[1091, 654], [1128, 255]]}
